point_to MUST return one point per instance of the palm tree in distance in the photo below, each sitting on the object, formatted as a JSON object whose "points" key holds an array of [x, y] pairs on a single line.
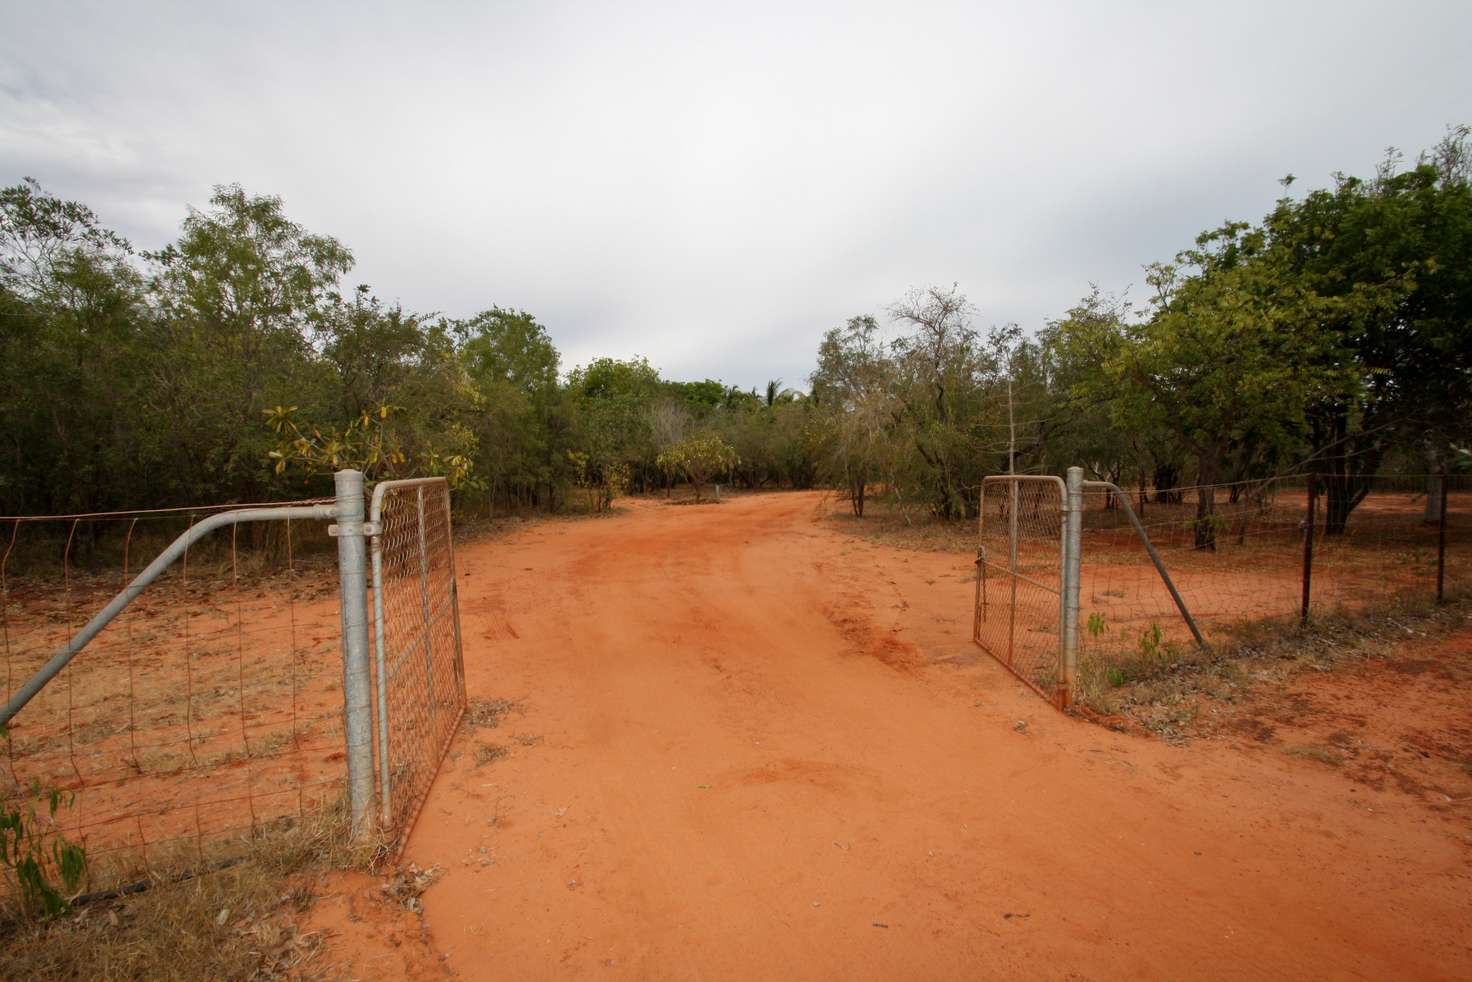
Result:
{"points": [[776, 394]]}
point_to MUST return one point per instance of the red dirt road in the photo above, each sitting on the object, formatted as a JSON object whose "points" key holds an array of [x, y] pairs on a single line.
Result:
{"points": [[753, 747]]}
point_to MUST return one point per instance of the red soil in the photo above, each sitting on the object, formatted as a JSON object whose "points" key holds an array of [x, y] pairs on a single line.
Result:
{"points": [[753, 747], [1400, 721]]}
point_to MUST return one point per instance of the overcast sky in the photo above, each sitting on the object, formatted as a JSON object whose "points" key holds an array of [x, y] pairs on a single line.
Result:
{"points": [[713, 185]]}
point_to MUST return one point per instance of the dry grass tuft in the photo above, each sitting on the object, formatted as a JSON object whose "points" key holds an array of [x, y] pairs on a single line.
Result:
{"points": [[406, 886], [488, 713], [1322, 754], [485, 753], [904, 528], [1164, 694], [238, 921]]}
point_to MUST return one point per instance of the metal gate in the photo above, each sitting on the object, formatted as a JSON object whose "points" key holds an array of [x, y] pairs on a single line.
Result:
{"points": [[418, 665], [401, 706], [1020, 607]]}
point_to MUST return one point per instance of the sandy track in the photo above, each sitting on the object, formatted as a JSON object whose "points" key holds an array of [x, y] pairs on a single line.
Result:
{"points": [[752, 747]]}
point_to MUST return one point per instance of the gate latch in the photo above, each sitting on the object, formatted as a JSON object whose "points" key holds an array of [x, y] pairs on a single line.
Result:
{"points": [[366, 529]]}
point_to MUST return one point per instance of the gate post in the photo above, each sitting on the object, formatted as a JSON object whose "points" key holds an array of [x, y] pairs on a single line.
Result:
{"points": [[356, 674], [1073, 520]]}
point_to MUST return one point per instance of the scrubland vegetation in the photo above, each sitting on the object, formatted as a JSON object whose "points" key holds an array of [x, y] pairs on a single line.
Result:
{"points": [[236, 364]]}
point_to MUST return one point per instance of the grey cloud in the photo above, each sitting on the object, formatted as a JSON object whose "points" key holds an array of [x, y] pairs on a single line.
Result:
{"points": [[714, 186]]}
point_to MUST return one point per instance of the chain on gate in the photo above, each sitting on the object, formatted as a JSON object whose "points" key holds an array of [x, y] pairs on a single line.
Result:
{"points": [[1019, 612], [419, 664]]}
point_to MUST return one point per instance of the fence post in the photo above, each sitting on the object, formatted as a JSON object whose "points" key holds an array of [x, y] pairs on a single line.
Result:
{"points": [[1308, 547], [356, 673], [1441, 544], [1073, 523], [978, 608], [1014, 505]]}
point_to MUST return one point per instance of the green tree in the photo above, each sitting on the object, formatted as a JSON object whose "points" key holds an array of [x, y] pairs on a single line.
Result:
{"points": [[611, 403], [240, 299], [699, 458], [1385, 267], [853, 386], [74, 362], [950, 384], [521, 422]]}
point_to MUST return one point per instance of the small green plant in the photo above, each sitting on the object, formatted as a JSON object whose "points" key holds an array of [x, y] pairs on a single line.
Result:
{"points": [[26, 851], [1151, 641], [1096, 625]]}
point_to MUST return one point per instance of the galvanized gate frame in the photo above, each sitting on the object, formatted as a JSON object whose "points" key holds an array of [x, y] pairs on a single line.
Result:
{"points": [[380, 492], [1069, 573], [350, 530], [1067, 626]]}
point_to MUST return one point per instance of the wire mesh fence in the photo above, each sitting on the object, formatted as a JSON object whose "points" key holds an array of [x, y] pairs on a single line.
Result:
{"points": [[419, 668], [1237, 553], [208, 712], [1018, 593]]}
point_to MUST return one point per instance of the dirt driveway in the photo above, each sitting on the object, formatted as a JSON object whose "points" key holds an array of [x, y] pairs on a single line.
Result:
{"points": [[752, 747]]}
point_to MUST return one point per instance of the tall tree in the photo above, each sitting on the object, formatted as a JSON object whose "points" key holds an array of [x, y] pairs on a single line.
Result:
{"points": [[1386, 265], [77, 435], [853, 389], [241, 297]]}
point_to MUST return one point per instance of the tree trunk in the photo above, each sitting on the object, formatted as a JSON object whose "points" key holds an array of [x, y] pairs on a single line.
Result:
{"points": [[1351, 471], [1343, 491], [1167, 476], [1337, 509], [1206, 517], [1206, 505]]}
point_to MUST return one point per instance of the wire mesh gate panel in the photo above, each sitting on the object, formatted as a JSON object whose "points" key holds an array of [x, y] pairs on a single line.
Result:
{"points": [[202, 717], [1018, 618], [420, 671], [199, 710]]}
